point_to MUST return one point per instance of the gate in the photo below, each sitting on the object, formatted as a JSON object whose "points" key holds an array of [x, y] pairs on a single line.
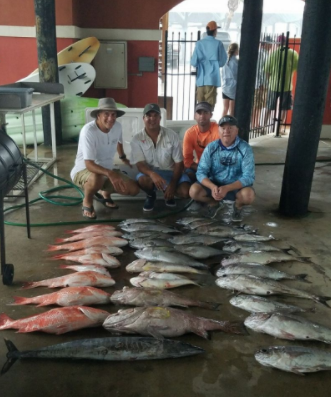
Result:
{"points": [[277, 61]]}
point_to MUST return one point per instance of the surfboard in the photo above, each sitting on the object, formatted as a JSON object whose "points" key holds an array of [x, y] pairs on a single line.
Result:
{"points": [[76, 78], [82, 51]]}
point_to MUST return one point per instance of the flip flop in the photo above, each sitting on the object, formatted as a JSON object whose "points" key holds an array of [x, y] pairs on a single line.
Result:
{"points": [[99, 197], [90, 210]]}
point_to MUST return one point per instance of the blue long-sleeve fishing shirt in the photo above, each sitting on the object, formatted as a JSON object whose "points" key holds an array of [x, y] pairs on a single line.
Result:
{"points": [[208, 57], [225, 166]]}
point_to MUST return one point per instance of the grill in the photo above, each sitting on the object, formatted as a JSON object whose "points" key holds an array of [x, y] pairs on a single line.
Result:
{"points": [[11, 169]]}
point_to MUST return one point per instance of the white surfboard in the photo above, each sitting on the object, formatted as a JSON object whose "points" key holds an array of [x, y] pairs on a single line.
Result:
{"points": [[76, 78]]}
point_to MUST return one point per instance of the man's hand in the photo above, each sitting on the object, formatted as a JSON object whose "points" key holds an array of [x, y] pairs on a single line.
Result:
{"points": [[127, 162], [169, 193], [158, 181], [219, 193], [117, 182]]}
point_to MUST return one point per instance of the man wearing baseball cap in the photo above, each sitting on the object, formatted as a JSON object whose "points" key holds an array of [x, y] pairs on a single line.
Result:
{"points": [[198, 136], [158, 155], [208, 57], [93, 171], [226, 171]]}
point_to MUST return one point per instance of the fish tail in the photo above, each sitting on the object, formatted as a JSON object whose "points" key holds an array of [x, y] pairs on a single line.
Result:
{"points": [[10, 359], [5, 321], [236, 328], [210, 305], [53, 248], [60, 240], [18, 300], [29, 285], [323, 300], [63, 267], [302, 277]]}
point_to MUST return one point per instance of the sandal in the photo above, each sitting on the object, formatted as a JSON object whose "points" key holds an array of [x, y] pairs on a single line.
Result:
{"points": [[89, 210], [99, 197]]}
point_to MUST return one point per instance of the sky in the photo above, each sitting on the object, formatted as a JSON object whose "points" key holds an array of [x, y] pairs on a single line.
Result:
{"points": [[269, 6]]}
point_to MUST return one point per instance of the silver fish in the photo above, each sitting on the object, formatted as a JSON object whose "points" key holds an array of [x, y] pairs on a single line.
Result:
{"points": [[262, 258], [152, 242], [196, 239], [141, 265], [148, 227], [198, 223], [144, 281], [167, 255], [288, 326], [105, 349], [145, 234], [234, 246], [190, 219], [262, 286], [162, 322], [258, 271], [220, 230], [296, 359], [198, 252], [258, 304], [156, 297], [131, 221], [253, 237]]}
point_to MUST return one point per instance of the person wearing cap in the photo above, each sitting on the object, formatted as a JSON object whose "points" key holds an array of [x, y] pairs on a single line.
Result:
{"points": [[226, 171], [198, 136], [208, 57], [93, 170], [158, 155]]}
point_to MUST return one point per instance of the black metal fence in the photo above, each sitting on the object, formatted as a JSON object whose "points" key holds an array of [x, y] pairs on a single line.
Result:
{"points": [[276, 63], [273, 97]]}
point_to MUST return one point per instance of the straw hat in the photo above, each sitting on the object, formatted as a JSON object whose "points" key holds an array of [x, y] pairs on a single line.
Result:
{"points": [[106, 104]]}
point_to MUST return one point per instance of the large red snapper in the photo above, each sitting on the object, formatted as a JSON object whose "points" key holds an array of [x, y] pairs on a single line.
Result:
{"points": [[89, 242]]}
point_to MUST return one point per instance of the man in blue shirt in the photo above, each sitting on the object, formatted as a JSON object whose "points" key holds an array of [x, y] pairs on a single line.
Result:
{"points": [[226, 171], [208, 57]]}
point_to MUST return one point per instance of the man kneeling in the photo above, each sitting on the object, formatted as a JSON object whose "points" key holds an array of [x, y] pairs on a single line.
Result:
{"points": [[93, 170], [158, 154], [226, 171]]}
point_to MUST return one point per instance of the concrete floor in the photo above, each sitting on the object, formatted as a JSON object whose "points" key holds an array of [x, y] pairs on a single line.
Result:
{"points": [[228, 367]]}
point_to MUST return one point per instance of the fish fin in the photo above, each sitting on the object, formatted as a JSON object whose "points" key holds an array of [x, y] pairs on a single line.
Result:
{"points": [[154, 331], [53, 248], [236, 328], [3, 320], [302, 277], [201, 332], [210, 305], [10, 360], [297, 372], [322, 299]]}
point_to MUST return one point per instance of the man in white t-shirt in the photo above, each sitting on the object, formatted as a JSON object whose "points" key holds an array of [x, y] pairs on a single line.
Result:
{"points": [[157, 152], [93, 170]]}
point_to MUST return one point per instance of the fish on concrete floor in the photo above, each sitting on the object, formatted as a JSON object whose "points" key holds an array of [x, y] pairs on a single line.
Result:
{"points": [[86, 268], [296, 359], [145, 234], [193, 238], [142, 265], [151, 242], [105, 349], [89, 242], [253, 238], [98, 249], [57, 321], [162, 322], [288, 326], [70, 296], [258, 304], [102, 259], [83, 236], [148, 227], [198, 252], [156, 297], [160, 280], [255, 269], [242, 247], [92, 228], [262, 286], [262, 258], [77, 279]]}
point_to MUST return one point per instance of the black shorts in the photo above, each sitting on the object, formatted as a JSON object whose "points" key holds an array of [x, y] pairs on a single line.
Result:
{"points": [[226, 97], [287, 101]]}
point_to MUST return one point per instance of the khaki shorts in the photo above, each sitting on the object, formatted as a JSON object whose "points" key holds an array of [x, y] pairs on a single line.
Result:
{"points": [[208, 94], [82, 176]]}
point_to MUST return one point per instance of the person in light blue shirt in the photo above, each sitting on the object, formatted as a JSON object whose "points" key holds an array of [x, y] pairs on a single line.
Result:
{"points": [[208, 57], [229, 73], [226, 171]]}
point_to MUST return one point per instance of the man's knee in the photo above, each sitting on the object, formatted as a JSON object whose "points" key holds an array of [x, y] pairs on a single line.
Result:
{"points": [[246, 195], [195, 191], [183, 190], [133, 188]]}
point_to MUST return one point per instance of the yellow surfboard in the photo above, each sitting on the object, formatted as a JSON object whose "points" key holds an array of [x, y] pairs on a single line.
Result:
{"points": [[83, 51]]}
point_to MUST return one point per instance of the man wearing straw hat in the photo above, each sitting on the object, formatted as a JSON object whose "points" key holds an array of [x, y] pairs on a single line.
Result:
{"points": [[93, 170]]}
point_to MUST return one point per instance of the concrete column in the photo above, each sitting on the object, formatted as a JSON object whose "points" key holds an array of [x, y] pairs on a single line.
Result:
{"points": [[248, 52], [47, 61], [313, 75]]}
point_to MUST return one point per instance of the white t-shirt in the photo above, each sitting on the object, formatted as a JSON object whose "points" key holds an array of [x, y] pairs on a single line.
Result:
{"points": [[164, 155], [97, 146]]}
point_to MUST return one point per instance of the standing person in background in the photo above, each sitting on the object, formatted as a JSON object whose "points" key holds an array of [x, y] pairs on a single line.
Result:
{"points": [[229, 74], [208, 57]]}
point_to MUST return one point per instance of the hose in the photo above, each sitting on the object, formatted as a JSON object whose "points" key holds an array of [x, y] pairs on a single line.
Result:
{"points": [[44, 195]]}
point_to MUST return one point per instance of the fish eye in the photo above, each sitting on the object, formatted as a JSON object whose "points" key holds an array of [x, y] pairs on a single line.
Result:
{"points": [[223, 275]]}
